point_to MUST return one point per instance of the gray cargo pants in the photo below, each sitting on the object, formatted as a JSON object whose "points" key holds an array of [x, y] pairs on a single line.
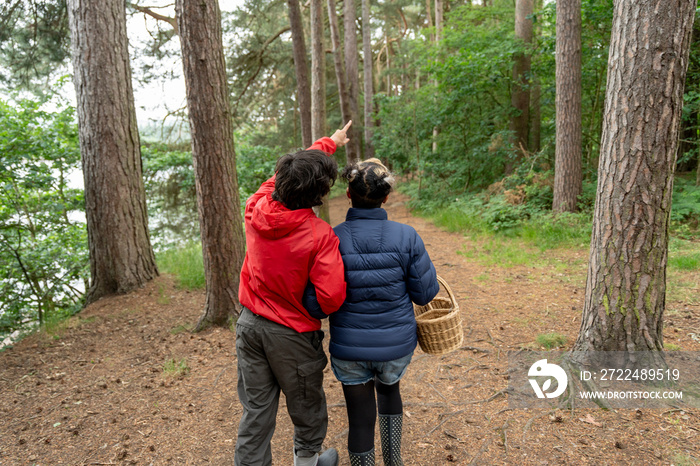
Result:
{"points": [[273, 357]]}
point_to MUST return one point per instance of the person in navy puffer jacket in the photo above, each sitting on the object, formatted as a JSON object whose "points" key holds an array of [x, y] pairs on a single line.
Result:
{"points": [[373, 334]]}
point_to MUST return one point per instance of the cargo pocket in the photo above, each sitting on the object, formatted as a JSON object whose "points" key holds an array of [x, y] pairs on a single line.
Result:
{"points": [[310, 376]]}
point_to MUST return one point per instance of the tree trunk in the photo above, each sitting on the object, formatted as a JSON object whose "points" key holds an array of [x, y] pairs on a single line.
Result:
{"points": [[121, 256], [697, 169], [318, 86], [567, 169], [301, 69], [439, 19], [367, 76], [439, 10], [535, 116], [428, 18], [536, 95], [223, 243], [520, 97], [352, 71], [388, 63], [352, 152], [318, 73], [626, 286]]}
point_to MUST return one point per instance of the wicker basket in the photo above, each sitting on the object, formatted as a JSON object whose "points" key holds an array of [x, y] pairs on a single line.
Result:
{"points": [[439, 323]]}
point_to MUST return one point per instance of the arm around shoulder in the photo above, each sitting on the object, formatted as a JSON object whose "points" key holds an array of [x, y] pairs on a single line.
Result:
{"points": [[327, 277], [422, 278]]}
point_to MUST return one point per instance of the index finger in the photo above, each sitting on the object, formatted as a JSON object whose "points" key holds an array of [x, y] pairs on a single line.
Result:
{"points": [[347, 126]]}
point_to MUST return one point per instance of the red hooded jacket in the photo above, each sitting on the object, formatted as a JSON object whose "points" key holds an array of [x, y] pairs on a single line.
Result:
{"points": [[285, 250]]}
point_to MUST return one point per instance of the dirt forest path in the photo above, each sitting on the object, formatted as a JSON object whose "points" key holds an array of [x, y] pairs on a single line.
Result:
{"points": [[94, 391]]}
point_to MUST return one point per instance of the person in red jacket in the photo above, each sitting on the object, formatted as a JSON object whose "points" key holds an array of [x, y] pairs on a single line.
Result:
{"points": [[278, 342]]}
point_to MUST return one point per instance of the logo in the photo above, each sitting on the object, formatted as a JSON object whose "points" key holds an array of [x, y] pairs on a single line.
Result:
{"points": [[542, 369]]}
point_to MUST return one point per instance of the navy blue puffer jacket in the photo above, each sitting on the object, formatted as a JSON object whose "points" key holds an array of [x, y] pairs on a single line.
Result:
{"points": [[386, 269]]}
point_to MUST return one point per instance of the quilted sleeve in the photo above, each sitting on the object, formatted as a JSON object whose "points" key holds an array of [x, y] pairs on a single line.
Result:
{"points": [[422, 277]]}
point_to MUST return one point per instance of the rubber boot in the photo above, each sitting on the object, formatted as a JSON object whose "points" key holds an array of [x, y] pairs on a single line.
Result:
{"points": [[362, 459], [390, 427], [327, 458]]}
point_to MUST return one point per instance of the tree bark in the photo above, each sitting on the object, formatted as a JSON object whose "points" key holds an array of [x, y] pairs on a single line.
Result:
{"points": [[318, 86], [536, 116], [429, 19], [567, 169], [626, 286], [520, 97], [223, 242], [121, 256], [367, 77], [352, 152], [387, 44], [536, 93], [301, 69], [439, 19], [352, 68], [439, 15], [318, 73]]}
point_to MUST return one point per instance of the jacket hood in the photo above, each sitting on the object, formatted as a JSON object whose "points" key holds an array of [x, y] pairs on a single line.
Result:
{"points": [[273, 220]]}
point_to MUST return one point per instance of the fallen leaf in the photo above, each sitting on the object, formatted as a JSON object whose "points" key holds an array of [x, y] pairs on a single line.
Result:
{"points": [[590, 420]]}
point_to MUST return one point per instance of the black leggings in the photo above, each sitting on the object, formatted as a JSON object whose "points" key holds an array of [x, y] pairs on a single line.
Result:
{"points": [[362, 411]]}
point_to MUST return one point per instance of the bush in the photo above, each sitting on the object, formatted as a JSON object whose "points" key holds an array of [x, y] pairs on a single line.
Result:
{"points": [[43, 245]]}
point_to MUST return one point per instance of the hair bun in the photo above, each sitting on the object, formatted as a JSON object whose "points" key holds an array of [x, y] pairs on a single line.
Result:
{"points": [[369, 182]]}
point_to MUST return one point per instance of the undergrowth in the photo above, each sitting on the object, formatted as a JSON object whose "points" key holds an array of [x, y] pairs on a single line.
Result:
{"points": [[186, 264], [519, 207], [501, 221], [550, 341]]}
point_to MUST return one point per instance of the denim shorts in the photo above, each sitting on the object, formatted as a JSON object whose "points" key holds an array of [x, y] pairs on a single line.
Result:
{"points": [[360, 372]]}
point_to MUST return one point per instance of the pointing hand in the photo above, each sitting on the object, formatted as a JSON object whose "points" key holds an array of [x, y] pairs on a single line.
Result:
{"points": [[340, 137]]}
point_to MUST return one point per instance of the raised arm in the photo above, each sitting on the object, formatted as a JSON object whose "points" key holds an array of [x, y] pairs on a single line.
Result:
{"points": [[337, 139]]}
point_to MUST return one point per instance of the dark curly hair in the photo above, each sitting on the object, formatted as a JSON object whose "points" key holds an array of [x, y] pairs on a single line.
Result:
{"points": [[369, 183], [303, 178]]}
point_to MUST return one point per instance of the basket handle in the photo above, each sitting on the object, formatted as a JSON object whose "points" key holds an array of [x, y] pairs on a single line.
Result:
{"points": [[448, 289]]}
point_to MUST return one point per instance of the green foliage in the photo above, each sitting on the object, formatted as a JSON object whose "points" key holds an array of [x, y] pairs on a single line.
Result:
{"points": [[684, 459], [503, 253], [261, 72], [687, 262], [43, 242], [596, 21], [255, 164], [465, 92], [170, 188], [548, 231], [685, 212], [551, 340], [34, 41], [176, 368], [186, 263], [470, 104], [517, 212], [688, 153], [182, 328], [683, 255]]}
